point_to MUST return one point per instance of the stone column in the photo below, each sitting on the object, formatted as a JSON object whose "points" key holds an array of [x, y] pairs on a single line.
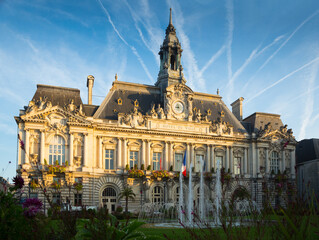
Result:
{"points": [[85, 152], [283, 161], [227, 159], [245, 160], [165, 162], [188, 158], [193, 157], [124, 161], [71, 149], [253, 160], [231, 161], [42, 147], [257, 161], [207, 160], [212, 159], [171, 156], [267, 161], [26, 146], [119, 153], [292, 162], [143, 153], [101, 152]]}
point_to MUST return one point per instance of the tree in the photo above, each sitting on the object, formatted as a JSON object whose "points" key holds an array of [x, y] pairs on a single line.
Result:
{"points": [[127, 193]]}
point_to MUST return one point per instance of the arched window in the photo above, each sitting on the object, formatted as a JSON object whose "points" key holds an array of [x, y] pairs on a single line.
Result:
{"points": [[109, 198], [57, 150], [157, 195], [274, 162], [172, 62]]}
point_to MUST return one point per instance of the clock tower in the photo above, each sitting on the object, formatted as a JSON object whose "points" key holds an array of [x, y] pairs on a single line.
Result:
{"points": [[171, 70]]}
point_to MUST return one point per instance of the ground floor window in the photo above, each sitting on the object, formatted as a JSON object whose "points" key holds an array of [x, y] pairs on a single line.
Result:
{"points": [[77, 199], [33, 195], [158, 195], [56, 198], [109, 198]]}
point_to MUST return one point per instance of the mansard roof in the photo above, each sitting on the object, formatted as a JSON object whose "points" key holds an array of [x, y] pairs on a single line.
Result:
{"points": [[258, 120], [146, 95], [58, 96], [122, 96]]}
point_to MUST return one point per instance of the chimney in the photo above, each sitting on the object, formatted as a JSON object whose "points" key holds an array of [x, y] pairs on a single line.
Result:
{"points": [[237, 108], [89, 84]]}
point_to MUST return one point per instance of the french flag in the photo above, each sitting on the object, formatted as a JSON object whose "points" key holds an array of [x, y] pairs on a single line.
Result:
{"points": [[184, 165]]}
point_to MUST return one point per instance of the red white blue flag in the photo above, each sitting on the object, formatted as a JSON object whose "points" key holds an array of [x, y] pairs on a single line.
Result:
{"points": [[184, 165]]}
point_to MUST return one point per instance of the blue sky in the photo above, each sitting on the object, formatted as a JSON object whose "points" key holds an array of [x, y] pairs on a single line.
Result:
{"points": [[264, 51]]}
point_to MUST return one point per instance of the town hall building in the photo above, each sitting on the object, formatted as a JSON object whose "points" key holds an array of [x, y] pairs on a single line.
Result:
{"points": [[139, 135]]}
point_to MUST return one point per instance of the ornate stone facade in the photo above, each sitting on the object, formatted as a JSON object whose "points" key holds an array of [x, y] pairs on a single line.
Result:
{"points": [[151, 128]]}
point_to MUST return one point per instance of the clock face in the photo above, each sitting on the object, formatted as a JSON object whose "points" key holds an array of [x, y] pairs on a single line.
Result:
{"points": [[178, 107]]}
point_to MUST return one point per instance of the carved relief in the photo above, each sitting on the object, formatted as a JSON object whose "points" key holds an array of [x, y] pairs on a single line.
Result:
{"points": [[134, 119], [283, 134], [56, 122], [221, 128], [262, 157], [72, 108]]}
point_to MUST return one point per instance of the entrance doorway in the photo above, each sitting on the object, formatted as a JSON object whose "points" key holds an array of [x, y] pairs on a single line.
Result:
{"points": [[109, 199]]}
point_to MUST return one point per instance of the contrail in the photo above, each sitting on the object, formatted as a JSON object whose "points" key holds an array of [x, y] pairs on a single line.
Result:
{"points": [[261, 52], [290, 36], [230, 20], [133, 49], [213, 59], [136, 21], [310, 103], [192, 67], [282, 79]]}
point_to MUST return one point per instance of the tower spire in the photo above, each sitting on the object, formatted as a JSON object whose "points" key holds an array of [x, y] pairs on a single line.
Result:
{"points": [[171, 70]]}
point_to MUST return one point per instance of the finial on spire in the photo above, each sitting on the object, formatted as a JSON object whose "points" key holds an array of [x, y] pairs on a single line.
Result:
{"points": [[217, 91], [115, 76], [170, 16]]}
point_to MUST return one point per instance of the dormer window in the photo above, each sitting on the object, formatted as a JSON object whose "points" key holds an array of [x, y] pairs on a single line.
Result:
{"points": [[119, 101], [136, 103], [209, 112]]}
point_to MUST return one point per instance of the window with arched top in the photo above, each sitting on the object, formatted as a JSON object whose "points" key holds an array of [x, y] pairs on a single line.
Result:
{"points": [[173, 60], [274, 162], [109, 198], [158, 195], [57, 150]]}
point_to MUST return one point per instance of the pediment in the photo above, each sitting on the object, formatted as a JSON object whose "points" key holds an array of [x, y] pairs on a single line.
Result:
{"points": [[53, 115]]}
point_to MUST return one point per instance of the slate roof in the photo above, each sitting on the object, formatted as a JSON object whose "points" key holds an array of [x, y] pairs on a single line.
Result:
{"points": [[89, 110], [258, 120], [112, 108], [216, 107], [60, 96], [307, 150], [147, 98]]}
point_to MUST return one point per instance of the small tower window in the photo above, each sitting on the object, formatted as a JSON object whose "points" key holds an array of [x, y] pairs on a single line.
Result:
{"points": [[209, 112], [136, 103], [173, 62], [119, 101]]}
